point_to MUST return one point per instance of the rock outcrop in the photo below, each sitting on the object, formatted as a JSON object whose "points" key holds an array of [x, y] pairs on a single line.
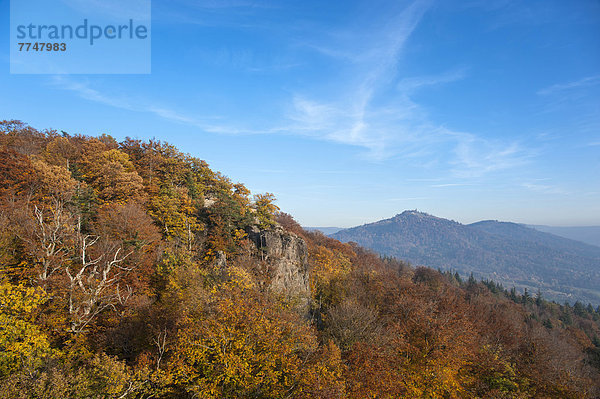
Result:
{"points": [[287, 255]]}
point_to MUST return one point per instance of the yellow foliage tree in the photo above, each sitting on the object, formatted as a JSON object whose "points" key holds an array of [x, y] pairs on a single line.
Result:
{"points": [[174, 212], [113, 176], [247, 345], [22, 345], [265, 209], [328, 270]]}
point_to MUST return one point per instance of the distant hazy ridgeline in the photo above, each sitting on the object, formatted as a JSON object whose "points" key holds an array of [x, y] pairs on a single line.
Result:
{"points": [[509, 253], [587, 234]]}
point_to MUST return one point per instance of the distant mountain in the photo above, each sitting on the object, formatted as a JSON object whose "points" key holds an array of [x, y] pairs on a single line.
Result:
{"points": [[325, 230], [587, 234], [509, 253]]}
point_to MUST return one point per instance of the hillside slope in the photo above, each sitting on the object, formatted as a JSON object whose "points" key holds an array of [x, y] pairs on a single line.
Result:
{"points": [[511, 254]]}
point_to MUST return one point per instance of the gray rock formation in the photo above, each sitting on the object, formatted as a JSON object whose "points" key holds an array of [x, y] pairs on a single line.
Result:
{"points": [[287, 255]]}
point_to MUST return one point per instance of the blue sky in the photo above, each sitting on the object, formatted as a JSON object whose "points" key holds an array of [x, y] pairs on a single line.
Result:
{"points": [[353, 111]]}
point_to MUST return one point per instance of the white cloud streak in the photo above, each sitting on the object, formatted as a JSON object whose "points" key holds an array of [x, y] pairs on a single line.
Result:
{"points": [[409, 85], [450, 185], [83, 90], [543, 188], [581, 83]]}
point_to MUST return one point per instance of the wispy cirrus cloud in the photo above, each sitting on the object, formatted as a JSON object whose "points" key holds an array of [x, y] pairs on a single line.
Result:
{"points": [[450, 185], [476, 156], [409, 85], [375, 109], [371, 57], [544, 188], [581, 83], [84, 90]]}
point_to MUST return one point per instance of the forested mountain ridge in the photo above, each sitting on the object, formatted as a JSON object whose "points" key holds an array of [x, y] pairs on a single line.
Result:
{"points": [[509, 253], [133, 270]]}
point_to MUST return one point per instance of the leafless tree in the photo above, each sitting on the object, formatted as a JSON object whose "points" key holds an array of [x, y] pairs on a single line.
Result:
{"points": [[94, 284]]}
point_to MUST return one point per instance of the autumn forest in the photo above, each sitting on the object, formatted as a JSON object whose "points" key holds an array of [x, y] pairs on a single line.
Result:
{"points": [[132, 270]]}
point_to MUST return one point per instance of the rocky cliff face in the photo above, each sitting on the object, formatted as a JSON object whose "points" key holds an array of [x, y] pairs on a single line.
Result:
{"points": [[287, 255]]}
